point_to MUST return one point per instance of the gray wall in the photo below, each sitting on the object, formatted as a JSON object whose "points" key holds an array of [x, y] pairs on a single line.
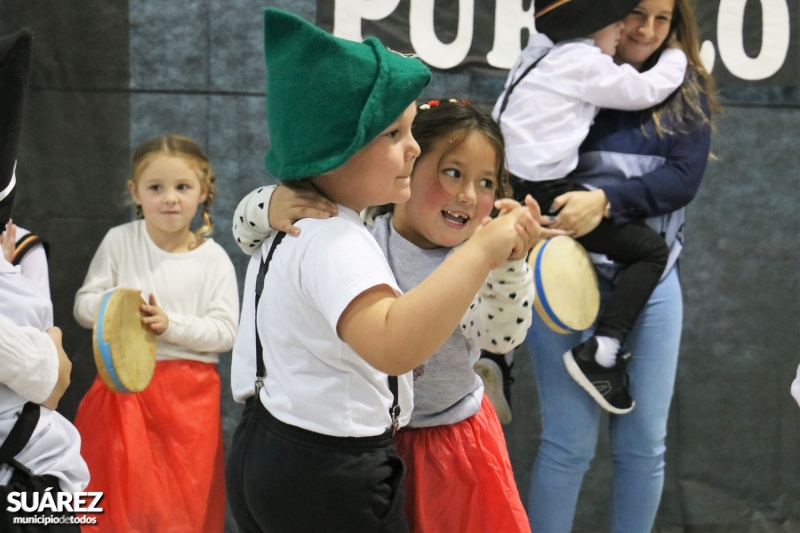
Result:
{"points": [[108, 75]]}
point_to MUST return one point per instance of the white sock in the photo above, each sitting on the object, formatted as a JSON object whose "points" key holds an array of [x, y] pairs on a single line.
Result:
{"points": [[607, 348], [509, 357]]}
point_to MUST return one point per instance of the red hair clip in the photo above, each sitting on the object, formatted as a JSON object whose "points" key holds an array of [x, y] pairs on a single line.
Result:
{"points": [[436, 103]]}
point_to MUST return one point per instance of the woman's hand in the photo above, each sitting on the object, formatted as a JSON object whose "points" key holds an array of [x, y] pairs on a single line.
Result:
{"points": [[8, 240], [581, 211], [291, 202], [155, 319]]}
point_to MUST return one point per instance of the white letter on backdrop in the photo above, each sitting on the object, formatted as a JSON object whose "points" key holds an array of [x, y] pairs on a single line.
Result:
{"points": [[423, 35], [347, 15], [509, 21], [774, 41]]}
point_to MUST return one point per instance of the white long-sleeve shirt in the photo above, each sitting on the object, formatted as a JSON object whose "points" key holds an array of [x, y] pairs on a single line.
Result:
{"points": [[28, 361], [34, 264], [28, 372], [549, 112], [197, 290]]}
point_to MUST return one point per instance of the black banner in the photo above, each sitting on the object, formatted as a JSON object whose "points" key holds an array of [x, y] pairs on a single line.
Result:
{"points": [[743, 41]]}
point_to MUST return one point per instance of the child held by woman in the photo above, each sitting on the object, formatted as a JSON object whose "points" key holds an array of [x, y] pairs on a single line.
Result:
{"points": [[558, 84]]}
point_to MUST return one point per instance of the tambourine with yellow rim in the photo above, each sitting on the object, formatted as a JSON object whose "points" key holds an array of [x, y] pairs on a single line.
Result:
{"points": [[567, 293], [124, 349]]}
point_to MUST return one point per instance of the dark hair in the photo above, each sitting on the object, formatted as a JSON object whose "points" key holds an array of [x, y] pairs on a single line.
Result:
{"points": [[179, 146], [439, 118], [684, 110]]}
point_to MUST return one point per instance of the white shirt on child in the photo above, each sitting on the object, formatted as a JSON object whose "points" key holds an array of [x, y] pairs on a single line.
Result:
{"points": [[550, 111], [197, 289], [314, 380], [28, 372], [34, 264]]}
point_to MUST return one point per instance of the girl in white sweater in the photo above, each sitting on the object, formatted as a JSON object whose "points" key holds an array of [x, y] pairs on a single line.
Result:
{"points": [[157, 454]]}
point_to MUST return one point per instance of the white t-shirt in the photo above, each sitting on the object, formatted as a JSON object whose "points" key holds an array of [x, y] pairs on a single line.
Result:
{"points": [[551, 109], [314, 380], [197, 290]]}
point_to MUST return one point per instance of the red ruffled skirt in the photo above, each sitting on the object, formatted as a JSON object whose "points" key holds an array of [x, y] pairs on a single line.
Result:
{"points": [[157, 455], [459, 477]]}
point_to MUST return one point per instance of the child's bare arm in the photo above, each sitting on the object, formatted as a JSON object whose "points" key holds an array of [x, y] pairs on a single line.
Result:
{"points": [[277, 208], [397, 334]]}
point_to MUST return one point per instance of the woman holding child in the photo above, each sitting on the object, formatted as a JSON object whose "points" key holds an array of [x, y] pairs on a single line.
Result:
{"points": [[645, 165]]}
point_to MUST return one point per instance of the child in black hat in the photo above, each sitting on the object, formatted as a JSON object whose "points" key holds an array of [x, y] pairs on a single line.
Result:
{"points": [[18, 245], [323, 322], [561, 79]]}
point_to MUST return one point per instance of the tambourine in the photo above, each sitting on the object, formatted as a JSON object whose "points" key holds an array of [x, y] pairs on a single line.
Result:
{"points": [[124, 349], [567, 293]]}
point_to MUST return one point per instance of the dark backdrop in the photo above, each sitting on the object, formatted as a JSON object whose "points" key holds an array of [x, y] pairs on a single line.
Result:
{"points": [[108, 74]]}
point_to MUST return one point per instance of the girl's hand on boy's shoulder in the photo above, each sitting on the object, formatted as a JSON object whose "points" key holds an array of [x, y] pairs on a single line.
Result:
{"points": [[155, 318], [291, 202]]}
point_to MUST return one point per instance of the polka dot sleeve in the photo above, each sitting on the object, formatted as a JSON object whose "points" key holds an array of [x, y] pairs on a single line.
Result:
{"points": [[251, 219], [500, 314]]}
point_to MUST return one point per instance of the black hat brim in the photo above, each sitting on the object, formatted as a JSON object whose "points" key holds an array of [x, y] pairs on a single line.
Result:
{"points": [[580, 18], [15, 59]]}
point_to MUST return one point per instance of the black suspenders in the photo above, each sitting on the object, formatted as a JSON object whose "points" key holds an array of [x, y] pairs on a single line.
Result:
{"points": [[18, 437], [261, 371], [513, 85]]}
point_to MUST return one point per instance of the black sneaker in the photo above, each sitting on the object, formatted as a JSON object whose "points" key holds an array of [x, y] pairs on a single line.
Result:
{"points": [[497, 380], [608, 386]]}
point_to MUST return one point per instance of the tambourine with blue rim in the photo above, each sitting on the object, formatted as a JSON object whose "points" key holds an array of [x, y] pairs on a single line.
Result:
{"points": [[124, 349], [567, 294]]}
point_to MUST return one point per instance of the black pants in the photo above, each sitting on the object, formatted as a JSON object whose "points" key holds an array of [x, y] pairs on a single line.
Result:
{"points": [[283, 479], [635, 244]]}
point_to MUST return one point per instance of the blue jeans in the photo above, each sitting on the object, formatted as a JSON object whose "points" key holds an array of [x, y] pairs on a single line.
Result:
{"points": [[571, 419]]}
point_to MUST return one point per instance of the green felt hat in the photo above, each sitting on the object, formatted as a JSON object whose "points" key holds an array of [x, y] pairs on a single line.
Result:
{"points": [[328, 97]]}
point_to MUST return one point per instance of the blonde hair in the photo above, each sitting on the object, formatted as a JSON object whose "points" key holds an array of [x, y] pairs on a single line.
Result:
{"points": [[186, 148], [685, 109]]}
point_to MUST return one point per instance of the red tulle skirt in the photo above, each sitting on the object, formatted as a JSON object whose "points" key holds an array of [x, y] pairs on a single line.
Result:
{"points": [[157, 455], [459, 477]]}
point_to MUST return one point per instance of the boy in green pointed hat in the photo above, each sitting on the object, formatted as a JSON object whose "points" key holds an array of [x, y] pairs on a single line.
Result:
{"points": [[324, 324]]}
